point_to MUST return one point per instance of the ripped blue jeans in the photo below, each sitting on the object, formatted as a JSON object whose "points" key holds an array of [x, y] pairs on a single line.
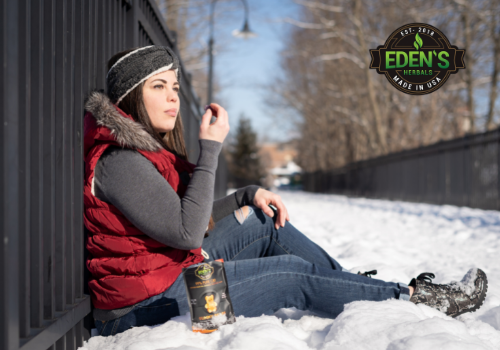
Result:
{"points": [[267, 269]]}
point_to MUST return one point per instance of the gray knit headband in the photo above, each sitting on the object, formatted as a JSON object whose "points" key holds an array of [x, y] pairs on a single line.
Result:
{"points": [[137, 66]]}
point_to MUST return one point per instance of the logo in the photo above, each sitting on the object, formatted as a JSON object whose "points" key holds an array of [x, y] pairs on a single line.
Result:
{"points": [[417, 59], [204, 271]]}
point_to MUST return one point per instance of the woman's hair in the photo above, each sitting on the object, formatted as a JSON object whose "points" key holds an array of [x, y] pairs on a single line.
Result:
{"points": [[133, 104]]}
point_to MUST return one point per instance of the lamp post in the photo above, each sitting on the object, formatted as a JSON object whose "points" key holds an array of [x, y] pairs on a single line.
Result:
{"points": [[244, 33]]}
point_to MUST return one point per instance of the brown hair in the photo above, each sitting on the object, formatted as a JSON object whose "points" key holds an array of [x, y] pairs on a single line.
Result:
{"points": [[133, 104]]}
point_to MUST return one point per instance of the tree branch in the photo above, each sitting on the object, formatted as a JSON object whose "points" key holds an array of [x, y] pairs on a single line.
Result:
{"points": [[340, 55]]}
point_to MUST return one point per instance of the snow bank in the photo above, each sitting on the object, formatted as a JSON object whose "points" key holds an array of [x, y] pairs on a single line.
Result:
{"points": [[396, 324], [400, 240], [492, 317]]}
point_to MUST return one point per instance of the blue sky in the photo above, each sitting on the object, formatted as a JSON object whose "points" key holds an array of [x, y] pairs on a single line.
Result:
{"points": [[244, 67]]}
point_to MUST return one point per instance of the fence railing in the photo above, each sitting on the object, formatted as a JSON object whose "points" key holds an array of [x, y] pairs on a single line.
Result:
{"points": [[54, 53], [462, 172]]}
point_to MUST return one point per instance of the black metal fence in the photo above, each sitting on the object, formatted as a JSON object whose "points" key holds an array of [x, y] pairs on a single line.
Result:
{"points": [[54, 53], [462, 172]]}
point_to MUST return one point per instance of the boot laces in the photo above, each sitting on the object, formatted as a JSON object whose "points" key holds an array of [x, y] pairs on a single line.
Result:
{"points": [[426, 276]]}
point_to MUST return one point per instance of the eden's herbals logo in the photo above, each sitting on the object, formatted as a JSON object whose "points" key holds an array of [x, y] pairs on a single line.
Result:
{"points": [[204, 271], [417, 59]]}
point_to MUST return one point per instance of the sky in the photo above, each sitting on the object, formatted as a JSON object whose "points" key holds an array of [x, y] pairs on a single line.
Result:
{"points": [[245, 66]]}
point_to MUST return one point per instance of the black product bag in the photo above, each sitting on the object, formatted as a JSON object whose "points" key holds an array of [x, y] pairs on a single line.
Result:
{"points": [[208, 296]]}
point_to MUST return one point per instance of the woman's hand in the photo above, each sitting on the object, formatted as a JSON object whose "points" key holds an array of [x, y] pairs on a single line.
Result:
{"points": [[262, 200], [218, 130]]}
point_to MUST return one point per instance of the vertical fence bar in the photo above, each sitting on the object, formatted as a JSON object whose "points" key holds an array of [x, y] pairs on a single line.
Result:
{"points": [[109, 42], [467, 175], [59, 157], [4, 292], [60, 344], [71, 68], [126, 42], [9, 177], [116, 15], [70, 339], [94, 42], [48, 156], [81, 85], [112, 41], [101, 41], [446, 177], [79, 334], [36, 175], [66, 144], [24, 166], [120, 12], [133, 25], [88, 36], [116, 18]]}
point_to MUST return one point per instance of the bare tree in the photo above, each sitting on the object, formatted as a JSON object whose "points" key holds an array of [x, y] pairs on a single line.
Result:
{"points": [[360, 33], [466, 23], [348, 112], [495, 43]]}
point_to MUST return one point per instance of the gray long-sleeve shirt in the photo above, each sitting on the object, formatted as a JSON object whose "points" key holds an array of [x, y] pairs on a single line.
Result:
{"points": [[129, 181]]}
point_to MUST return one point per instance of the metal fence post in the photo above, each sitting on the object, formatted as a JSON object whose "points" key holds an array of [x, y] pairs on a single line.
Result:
{"points": [[9, 178]]}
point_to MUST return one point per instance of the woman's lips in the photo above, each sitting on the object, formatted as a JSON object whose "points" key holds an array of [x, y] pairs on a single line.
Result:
{"points": [[172, 112]]}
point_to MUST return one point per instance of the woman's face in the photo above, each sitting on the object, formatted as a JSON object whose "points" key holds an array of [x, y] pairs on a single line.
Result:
{"points": [[161, 99]]}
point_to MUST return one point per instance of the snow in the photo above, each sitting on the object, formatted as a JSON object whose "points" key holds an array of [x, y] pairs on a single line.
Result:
{"points": [[466, 285], [215, 321], [400, 240]]}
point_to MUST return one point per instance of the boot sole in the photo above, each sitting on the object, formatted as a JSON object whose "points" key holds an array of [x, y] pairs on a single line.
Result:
{"points": [[482, 297]]}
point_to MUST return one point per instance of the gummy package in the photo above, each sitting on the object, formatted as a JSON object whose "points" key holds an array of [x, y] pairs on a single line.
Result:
{"points": [[208, 296]]}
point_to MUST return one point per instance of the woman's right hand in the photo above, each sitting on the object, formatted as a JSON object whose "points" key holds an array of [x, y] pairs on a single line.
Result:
{"points": [[218, 130]]}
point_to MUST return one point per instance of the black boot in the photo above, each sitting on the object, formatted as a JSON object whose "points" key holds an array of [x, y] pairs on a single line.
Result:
{"points": [[368, 273], [454, 298]]}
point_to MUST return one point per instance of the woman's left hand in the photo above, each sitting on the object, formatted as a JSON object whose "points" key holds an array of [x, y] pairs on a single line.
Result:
{"points": [[262, 200]]}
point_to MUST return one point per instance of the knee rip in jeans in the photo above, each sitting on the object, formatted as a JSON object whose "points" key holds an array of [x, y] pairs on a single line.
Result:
{"points": [[243, 213]]}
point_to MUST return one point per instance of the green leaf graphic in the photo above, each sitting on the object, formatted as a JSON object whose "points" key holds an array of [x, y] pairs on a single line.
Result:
{"points": [[418, 42]]}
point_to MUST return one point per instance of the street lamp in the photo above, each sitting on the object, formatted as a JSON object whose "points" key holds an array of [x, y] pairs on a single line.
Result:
{"points": [[244, 33]]}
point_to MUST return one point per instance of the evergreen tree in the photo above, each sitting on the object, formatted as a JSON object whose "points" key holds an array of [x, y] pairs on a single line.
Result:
{"points": [[245, 166]]}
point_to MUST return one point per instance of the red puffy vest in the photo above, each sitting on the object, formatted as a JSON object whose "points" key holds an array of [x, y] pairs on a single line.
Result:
{"points": [[127, 266]]}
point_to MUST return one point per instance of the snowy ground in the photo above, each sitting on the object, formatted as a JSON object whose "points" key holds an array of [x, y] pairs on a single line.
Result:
{"points": [[398, 239]]}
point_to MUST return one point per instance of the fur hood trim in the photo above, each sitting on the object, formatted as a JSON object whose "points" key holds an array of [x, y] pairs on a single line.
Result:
{"points": [[127, 132]]}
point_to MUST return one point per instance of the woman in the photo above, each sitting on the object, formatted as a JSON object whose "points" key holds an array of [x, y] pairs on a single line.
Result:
{"points": [[147, 210]]}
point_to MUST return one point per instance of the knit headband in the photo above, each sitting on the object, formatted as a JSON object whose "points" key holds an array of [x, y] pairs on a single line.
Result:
{"points": [[137, 66]]}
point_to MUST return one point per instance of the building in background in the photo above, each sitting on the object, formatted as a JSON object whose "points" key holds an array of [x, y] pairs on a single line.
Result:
{"points": [[279, 162]]}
